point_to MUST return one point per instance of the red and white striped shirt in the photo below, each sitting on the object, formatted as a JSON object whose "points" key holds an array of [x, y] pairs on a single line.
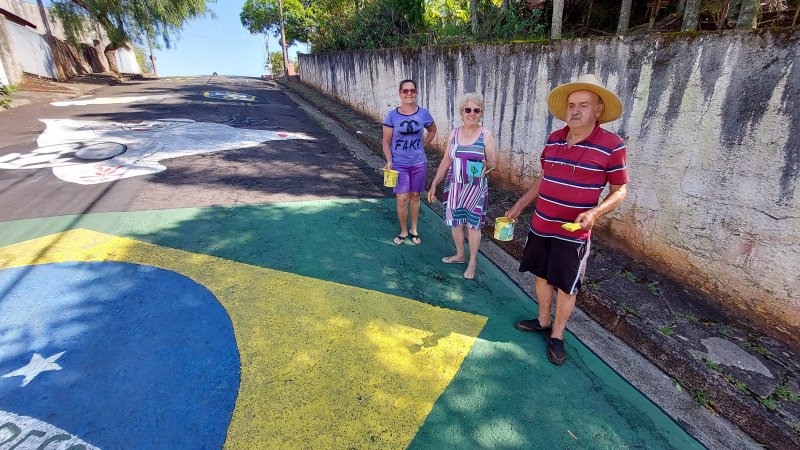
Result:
{"points": [[574, 178]]}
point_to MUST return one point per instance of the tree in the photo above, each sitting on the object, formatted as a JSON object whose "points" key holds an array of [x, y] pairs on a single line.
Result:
{"points": [[558, 13], [624, 16], [691, 15], [263, 17], [126, 21], [748, 15], [276, 64]]}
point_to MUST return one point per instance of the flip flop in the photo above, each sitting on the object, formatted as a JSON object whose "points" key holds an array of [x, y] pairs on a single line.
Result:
{"points": [[469, 276], [453, 260], [398, 240], [415, 239]]}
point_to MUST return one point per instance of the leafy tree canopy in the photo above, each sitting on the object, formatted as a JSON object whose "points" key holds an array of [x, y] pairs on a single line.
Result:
{"points": [[263, 16], [125, 21]]}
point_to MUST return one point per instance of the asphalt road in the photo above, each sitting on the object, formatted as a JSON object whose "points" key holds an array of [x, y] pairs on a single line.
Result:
{"points": [[207, 267], [284, 170]]}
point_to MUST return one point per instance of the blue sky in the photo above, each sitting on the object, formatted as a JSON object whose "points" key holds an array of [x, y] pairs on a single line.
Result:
{"points": [[219, 45]]}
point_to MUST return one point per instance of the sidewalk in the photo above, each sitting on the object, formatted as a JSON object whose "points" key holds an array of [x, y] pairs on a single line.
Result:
{"points": [[33, 89], [727, 367]]}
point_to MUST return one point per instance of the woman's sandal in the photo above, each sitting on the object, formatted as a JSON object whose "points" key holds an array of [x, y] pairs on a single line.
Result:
{"points": [[469, 275], [399, 239], [415, 239], [453, 260]]}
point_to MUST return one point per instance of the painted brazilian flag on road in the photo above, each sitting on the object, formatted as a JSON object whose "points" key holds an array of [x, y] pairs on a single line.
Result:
{"points": [[295, 325]]}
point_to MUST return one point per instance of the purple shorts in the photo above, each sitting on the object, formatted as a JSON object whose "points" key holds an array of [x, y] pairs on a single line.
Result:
{"points": [[410, 179]]}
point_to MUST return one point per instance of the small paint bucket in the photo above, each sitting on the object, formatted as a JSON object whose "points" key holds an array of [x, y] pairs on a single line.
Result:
{"points": [[390, 177], [504, 228]]}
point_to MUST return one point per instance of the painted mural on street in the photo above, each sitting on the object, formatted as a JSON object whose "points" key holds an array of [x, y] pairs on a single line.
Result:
{"points": [[163, 348], [92, 152]]}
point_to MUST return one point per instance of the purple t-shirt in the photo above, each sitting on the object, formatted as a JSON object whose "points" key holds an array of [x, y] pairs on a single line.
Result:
{"points": [[406, 142]]}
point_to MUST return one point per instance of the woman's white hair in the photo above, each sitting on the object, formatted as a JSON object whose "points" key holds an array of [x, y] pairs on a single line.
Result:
{"points": [[473, 97]]}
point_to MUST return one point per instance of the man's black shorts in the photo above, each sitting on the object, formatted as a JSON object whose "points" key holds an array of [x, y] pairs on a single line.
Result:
{"points": [[561, 263]]}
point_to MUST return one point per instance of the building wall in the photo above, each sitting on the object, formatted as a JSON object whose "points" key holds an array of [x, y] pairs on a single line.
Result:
{"points": [[12, 68], [31, 50], [712, 124]]}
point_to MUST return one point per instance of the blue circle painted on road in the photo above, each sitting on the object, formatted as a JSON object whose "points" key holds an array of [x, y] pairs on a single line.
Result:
{"points": [[149, 356]]}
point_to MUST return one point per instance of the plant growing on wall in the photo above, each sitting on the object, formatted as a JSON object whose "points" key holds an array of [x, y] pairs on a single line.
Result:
{"points": [[5, 92], [128, 20]]}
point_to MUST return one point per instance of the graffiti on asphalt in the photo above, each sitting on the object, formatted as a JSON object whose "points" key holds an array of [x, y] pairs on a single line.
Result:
{"points": [[21, 432], [90, 152], [226, 95], [112, 100]]}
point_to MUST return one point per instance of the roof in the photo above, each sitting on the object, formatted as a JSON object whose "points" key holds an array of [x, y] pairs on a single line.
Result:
{"points": [[16, 19]]}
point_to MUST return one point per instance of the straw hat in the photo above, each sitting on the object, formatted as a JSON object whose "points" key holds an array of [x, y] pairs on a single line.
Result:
{"points": [[557, 100]]}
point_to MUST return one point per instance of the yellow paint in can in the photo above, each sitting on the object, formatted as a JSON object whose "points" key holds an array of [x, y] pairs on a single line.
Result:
{"points": [[504, 228], [390, 177]]}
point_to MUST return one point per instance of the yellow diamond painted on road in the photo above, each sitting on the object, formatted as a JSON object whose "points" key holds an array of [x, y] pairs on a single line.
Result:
{"points": [[323, 365]]}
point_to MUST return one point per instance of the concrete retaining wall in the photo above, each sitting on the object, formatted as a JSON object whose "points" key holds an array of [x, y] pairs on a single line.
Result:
{"points": [[712, 124]]}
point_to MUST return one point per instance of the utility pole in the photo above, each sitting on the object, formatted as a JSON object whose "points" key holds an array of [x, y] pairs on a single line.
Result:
{"points": [[283, 43], [51, 41]]}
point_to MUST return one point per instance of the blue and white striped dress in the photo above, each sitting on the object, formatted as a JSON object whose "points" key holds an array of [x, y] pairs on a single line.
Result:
{"points": [[466, 191]]}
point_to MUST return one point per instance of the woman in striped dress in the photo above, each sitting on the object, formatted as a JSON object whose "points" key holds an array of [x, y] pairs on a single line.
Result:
{"points": [[471, 156]]}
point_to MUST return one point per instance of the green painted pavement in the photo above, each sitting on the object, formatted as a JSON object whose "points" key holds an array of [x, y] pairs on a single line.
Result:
{"points": [[506, 394]]}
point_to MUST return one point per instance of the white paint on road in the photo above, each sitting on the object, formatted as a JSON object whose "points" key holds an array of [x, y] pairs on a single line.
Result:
{"points": [[74, 148], [35, 367], [27, 433], [113, 100]]}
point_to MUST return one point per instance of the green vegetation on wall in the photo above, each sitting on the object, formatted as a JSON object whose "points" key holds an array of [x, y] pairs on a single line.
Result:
{"points": [[5, 92]]}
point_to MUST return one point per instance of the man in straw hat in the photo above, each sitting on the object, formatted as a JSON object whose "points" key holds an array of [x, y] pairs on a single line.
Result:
{"points": [[577, 162]]}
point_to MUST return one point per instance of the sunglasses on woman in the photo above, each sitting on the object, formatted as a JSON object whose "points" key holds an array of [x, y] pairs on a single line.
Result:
{"points": [[470, 110], [408, 91]]}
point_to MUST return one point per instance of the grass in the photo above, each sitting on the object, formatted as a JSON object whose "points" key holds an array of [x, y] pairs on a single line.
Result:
{"points": [[795, 427], [653, 287], [690, 317], [783, 391], [756, 347], [713, 366], [625, 307], [769, 403], [629, 276], [701, 398], [666, 330], [736, 383]]}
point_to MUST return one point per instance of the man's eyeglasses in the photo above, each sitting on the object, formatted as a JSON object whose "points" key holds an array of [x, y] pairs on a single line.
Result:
{"points": [[408, 91], [470, 110]]}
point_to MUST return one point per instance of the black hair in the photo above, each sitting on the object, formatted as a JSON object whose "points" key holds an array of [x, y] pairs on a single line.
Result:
{"points": [[407, 81]]}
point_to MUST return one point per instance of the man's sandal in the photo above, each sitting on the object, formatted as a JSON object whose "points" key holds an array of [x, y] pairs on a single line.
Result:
{"points": [[399, 239], [415, 239], [532, 325]]}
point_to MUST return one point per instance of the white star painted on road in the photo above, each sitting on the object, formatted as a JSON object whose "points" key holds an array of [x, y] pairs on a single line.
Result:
{"points": [[35, 367]]}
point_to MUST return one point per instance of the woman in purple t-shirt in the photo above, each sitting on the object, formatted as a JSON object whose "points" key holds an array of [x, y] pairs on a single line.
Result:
{"points": [[403, 147]]}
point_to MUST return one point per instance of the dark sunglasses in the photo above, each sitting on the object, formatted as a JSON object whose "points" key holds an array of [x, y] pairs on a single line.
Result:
{"points": [[469, 110], [408, 91]]}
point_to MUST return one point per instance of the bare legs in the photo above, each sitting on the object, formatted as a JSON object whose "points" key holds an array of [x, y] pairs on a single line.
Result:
{"points": [[403, 202], [474, 238], [565, 304]]}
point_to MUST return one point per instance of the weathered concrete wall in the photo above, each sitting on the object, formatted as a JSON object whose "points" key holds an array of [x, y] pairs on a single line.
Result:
{"points": [[712, 124]]}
